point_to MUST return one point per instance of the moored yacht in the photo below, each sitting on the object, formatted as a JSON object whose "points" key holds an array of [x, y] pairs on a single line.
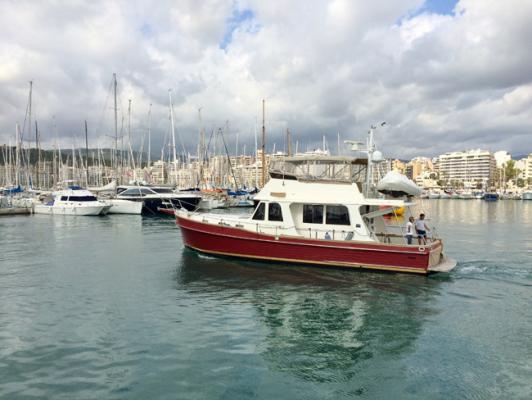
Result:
{"points": [[72, 201], [121, 206], [154, 198], [313, 211]]}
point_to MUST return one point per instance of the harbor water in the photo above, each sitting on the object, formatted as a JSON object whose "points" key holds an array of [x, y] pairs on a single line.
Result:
{"points": [[115, 308]]}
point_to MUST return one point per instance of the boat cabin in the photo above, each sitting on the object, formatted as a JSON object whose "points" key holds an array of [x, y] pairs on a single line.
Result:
{"points": [[321, 198]]}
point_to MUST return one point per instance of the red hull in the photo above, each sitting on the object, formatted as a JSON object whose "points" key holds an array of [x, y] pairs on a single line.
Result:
{"points": [[235, 242], [166, 211]]}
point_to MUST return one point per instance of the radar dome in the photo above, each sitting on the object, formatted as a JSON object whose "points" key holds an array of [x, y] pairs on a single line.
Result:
{"points": [[377, 156]]}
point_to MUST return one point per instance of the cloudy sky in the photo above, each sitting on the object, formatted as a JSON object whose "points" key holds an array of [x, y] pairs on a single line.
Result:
{"points": [[444, 74]]}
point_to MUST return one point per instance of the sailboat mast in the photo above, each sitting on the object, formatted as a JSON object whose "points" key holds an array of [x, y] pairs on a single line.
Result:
{"points": [[149, 136], [201, 152], [17, 155], [73, 162], [29, 126], [173, 134], [130, 155], [263, 155], [86, 155], [288, 143], [116, 123], [256, 148], [38, 155]]}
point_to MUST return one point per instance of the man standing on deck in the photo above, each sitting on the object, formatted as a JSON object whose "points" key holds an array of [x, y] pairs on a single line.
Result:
{"points": [[421, 229], [410, 230]]}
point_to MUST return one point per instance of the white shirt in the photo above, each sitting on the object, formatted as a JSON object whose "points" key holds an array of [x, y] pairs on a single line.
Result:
{"points": [[409, 228], [420, 225]]}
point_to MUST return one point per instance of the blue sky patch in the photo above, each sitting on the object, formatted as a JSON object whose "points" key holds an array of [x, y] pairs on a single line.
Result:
{"points": [[444, 7], [146, 30], [237, 19]]}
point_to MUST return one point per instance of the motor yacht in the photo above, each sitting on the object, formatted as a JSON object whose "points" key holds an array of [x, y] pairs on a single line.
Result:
{"points": [[72, 201], [318, 211], [154, 198]]}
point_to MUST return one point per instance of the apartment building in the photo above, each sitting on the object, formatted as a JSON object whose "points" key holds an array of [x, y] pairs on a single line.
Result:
{"points": [[525, 167], [470, 168], [417, 167]]}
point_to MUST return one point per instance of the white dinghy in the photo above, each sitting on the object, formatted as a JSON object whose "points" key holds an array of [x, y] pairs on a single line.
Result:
{"points": [[396, 185]]}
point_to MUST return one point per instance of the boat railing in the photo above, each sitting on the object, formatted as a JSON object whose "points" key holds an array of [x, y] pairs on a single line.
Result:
{"points": [[277, 230]]}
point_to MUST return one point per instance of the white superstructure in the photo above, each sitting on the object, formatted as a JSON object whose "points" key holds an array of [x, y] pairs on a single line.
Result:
{"points": [[309, 207], [72, 202]]}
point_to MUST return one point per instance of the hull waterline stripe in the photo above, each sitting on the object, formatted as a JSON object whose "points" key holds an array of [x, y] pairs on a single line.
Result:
{"points": [[330, 264]]}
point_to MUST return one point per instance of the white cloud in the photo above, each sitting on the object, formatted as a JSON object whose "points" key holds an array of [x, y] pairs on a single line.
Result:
{"points": [[440, 81]]}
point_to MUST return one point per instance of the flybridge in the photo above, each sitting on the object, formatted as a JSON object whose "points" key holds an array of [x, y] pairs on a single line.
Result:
{"points": [[320, 168]]}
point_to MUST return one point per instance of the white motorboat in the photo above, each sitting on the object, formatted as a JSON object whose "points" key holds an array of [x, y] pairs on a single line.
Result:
{"points": [[433, 194], [72, 202], [121, 206], [465, 195], [211, 202]]}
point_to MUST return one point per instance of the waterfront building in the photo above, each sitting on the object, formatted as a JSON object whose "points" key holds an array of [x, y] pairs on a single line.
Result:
{"points": [[417, 166], [524, 165], [470, 168], [158, 172], [528, 167], [399, 166]]}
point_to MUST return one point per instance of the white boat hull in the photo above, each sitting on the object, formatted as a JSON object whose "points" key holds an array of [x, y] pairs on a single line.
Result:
{"points": [[212, 203], [119, 206], [70, 210]]}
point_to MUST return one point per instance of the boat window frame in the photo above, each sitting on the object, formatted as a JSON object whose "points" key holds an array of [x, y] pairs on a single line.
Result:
{"points": [[263, 204], [344, 223], [147, 191], [82, 199], [322, 206], [161, 190], [278, 218], [135, 192]]}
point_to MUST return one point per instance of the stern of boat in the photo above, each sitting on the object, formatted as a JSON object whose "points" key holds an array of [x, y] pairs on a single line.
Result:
{"points": [[438, 261]]}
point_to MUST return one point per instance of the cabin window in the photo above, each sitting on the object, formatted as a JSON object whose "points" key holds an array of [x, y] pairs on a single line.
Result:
{"points": [[146, 191], [274, 212], [313, 214], [160, 190], [64, 198], [337, 215], [83, 198], [131, 192], [259, 212]]}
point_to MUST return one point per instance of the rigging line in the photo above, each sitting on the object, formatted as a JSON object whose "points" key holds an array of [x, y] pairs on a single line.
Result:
{"points": [[100, 123], [228, 158], [209, 144]]}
